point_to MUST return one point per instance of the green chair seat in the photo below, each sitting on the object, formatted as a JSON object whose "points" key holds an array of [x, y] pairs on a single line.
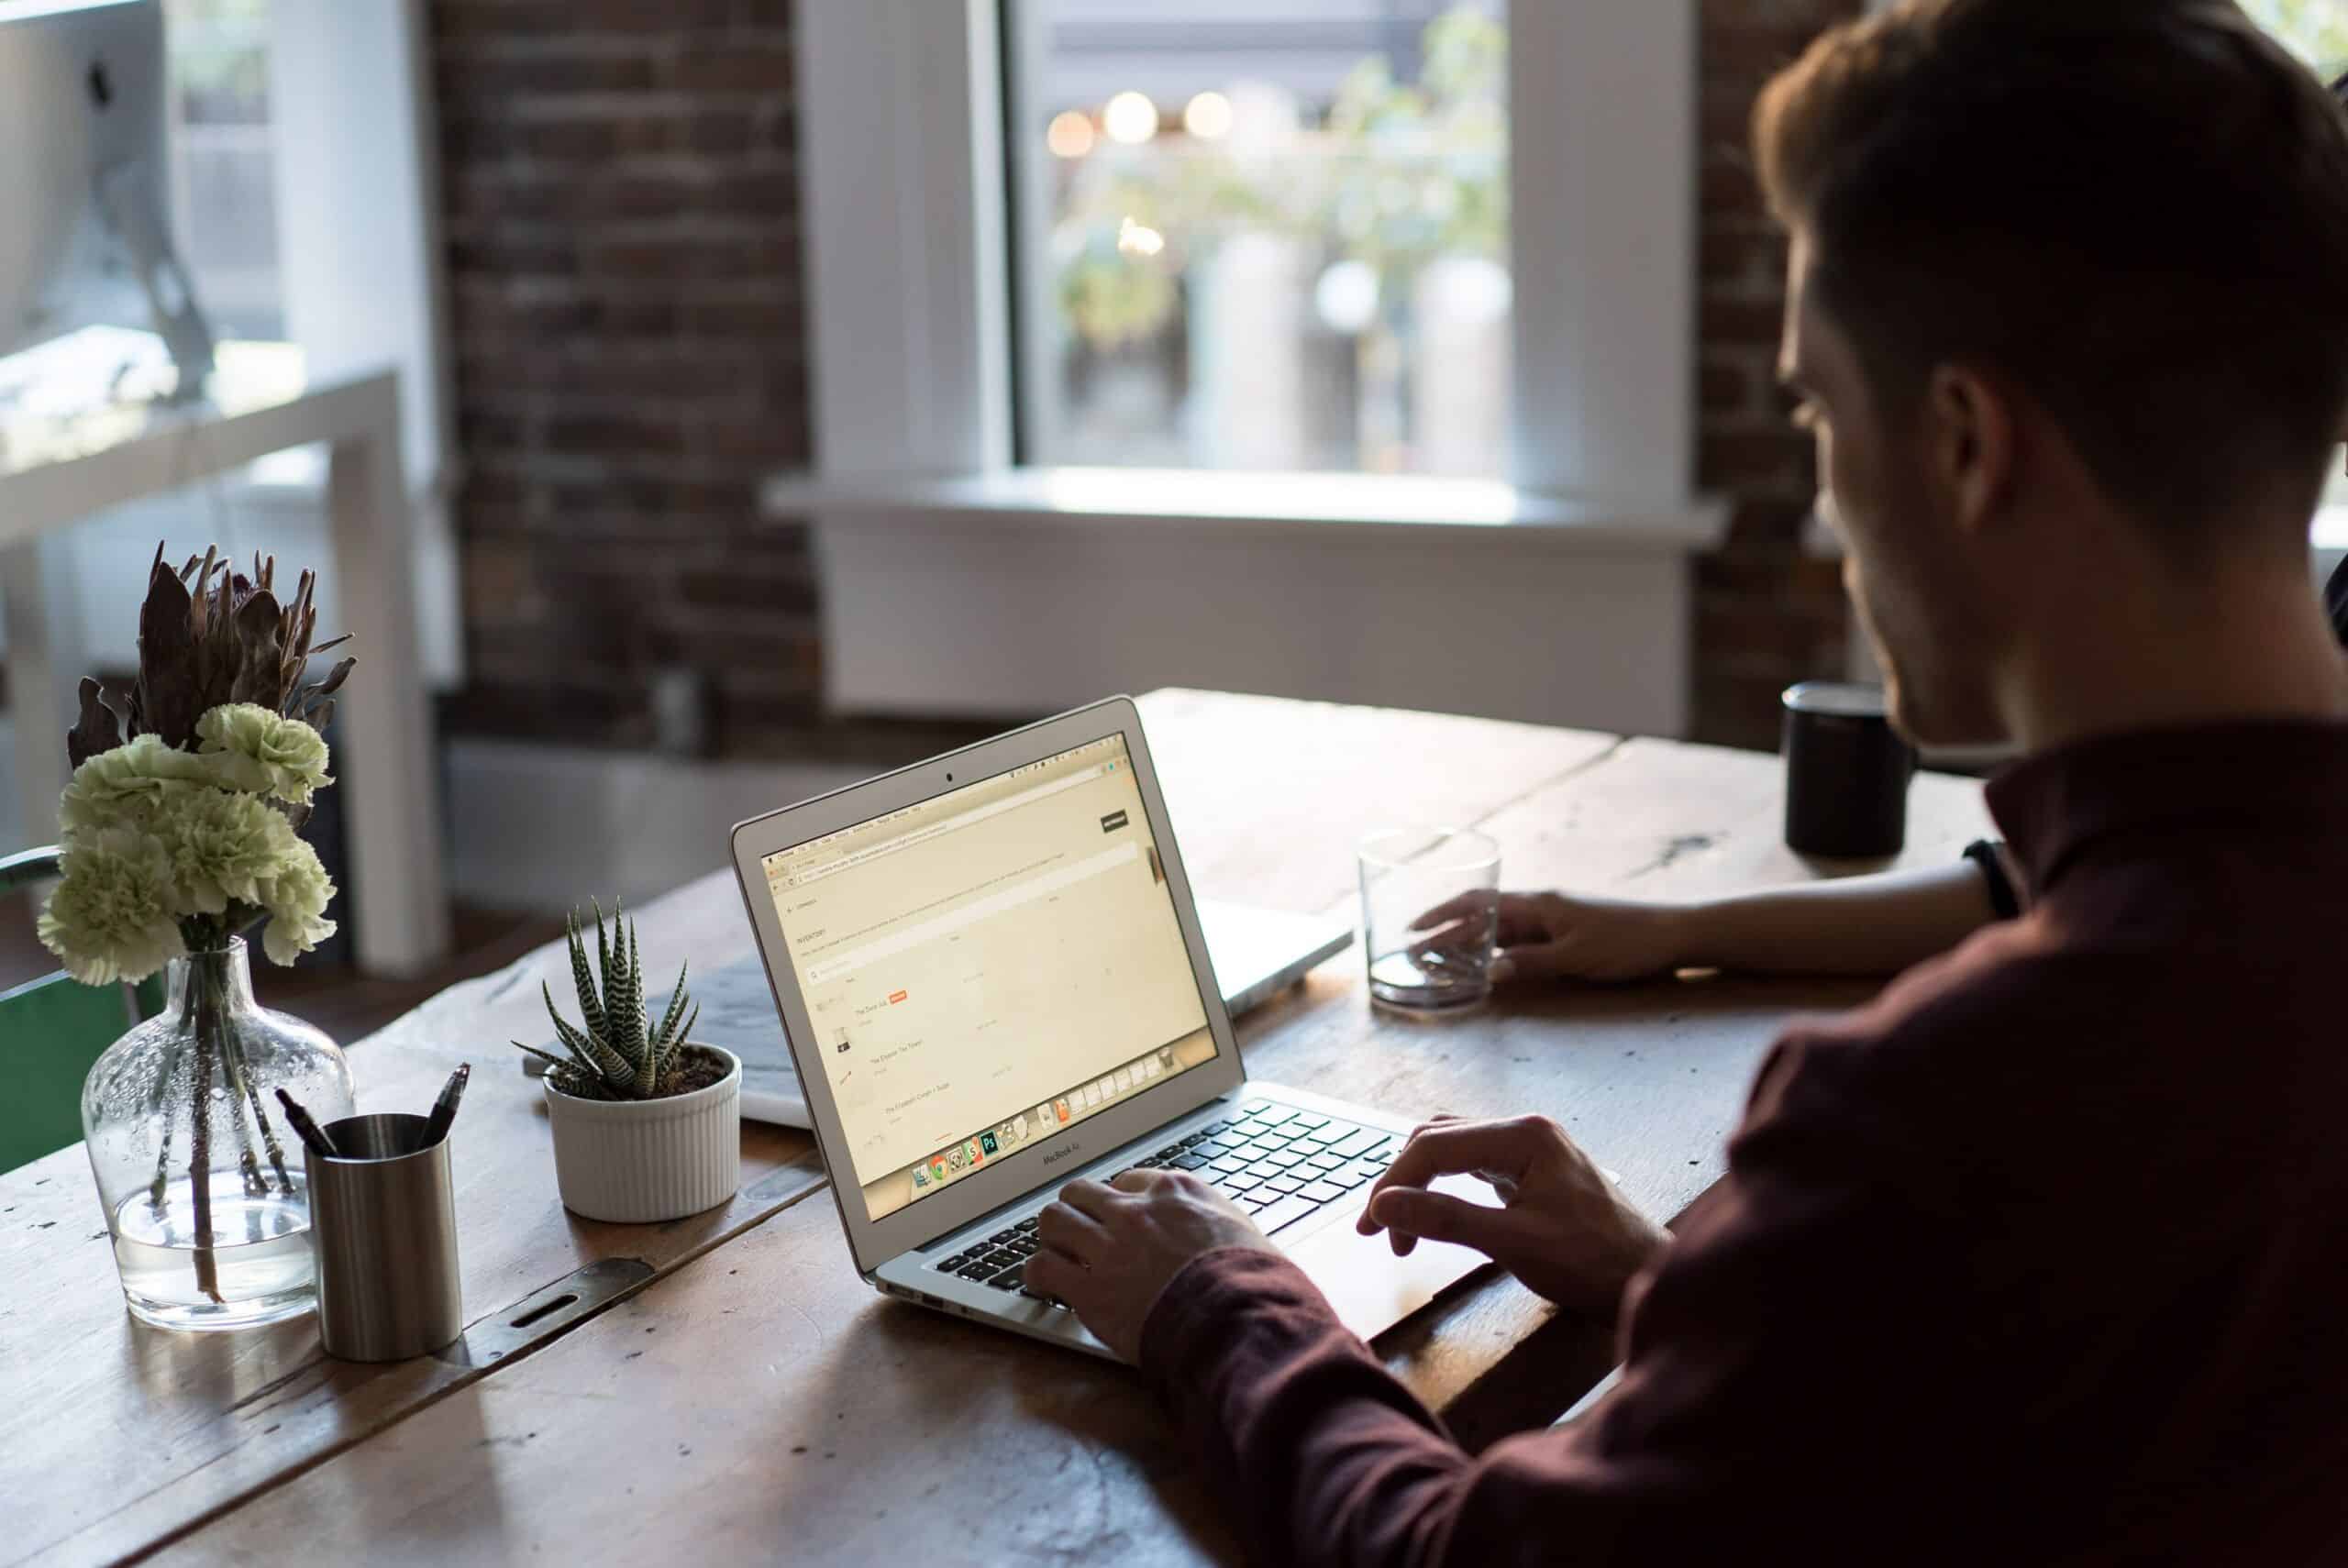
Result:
{"points": [[51, 1030]]}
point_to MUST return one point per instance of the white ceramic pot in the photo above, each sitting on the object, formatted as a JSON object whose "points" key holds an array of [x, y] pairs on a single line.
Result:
{"points": [[640, 1160]]}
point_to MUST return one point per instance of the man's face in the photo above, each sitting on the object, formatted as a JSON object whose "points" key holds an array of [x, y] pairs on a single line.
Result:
{"points": [[1911, 581]]}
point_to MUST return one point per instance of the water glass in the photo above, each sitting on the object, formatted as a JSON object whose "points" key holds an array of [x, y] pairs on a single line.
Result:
{"points": [[1430, 914]]}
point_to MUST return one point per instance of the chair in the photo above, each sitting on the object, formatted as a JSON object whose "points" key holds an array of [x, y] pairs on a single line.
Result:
{"points": [[51, 1030]]}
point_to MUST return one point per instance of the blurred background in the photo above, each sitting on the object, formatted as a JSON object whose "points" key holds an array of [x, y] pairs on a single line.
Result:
{"points": [[769, 366]]}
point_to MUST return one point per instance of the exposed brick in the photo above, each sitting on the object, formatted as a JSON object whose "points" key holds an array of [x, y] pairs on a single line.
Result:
{"points": [[1768, 461], [791, 592], [1734, 321], [471, 78], [702, 70], [1727, 386], [1767, 614], [620, 213], [624, 257]]}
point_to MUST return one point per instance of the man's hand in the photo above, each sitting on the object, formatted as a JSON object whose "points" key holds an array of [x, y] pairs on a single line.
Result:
{"points": [[1561, 1228], [1108, 1252], [1549, 936]]}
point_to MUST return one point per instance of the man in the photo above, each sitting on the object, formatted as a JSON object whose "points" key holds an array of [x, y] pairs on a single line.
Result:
{"points": [[2044, 1254]]}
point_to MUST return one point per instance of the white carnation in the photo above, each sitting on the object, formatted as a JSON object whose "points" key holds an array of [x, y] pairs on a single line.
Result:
{"points": [[125, 786], [222, 846], [268, 752], [111, 918], [295, 899]]}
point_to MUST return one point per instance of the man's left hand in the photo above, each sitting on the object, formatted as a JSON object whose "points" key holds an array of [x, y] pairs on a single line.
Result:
{"points": [[1109, 1251]]}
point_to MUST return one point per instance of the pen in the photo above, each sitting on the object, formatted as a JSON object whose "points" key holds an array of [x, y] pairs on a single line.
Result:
{"points": [[309, 1131], [444, 1110]]}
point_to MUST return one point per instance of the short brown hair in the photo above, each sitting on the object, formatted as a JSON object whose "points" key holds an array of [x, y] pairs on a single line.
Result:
{"points": [[2137, 210]]}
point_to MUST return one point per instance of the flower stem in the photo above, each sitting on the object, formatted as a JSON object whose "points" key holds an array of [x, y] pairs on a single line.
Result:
{"points": [[203, 994], [249, 1096], [159, 1190], [233, 1073]]}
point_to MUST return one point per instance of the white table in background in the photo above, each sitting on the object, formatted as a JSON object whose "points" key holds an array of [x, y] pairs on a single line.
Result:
{"points": [[55, 473]]}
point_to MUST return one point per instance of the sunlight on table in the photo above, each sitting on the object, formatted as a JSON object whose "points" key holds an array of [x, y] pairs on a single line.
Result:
{"points": [[90, 390]]}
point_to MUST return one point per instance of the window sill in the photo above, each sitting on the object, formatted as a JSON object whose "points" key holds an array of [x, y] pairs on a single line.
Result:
{"points": [[1022, 593], [1351, 508]]}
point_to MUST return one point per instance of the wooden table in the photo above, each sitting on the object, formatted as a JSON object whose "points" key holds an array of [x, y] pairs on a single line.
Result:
{"points": [[748, 1395]]}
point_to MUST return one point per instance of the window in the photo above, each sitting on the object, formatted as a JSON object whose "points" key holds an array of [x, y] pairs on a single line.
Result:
{"points": [[222, 180], [2315, 30], [1272, 235], [965, 570]]}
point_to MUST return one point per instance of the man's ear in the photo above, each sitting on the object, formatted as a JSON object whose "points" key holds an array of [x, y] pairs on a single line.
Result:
{"points": [[1969, 443]]}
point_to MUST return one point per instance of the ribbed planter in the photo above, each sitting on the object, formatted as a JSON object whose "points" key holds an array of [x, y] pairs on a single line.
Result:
{"points": [[638, 1161]]}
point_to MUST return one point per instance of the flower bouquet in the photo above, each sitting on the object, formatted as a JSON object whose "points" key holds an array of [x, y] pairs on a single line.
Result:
{"points": [[180, 832]]}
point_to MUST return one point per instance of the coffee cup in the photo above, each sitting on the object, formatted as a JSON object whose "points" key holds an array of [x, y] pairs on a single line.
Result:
{"points": [[1846, 772]]}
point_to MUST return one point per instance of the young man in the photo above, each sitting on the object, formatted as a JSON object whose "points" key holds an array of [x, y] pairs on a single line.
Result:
{"points": [[2038, 1257]]}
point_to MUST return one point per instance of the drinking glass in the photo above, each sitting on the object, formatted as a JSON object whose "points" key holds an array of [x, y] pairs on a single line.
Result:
{"points": [[1430, 914]]}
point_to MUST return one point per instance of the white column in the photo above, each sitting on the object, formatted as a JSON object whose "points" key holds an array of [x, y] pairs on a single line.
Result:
{"points": [[47, 656], [1247, 331], [901, 124], [385, 761], [359, 248], [1459, 414], [1602, 141]]}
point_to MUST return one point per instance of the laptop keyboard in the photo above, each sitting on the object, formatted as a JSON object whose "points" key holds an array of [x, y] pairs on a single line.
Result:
{"points": [[1276, 1162]]}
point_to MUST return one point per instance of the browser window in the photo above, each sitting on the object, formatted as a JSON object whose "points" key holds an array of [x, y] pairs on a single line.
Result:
{"points": [[988, 966]]}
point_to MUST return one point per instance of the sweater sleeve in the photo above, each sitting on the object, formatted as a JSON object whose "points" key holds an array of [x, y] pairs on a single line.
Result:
{"points": [[1767, 1343]]}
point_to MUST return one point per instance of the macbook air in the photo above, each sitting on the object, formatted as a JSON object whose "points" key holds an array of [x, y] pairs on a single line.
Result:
{"points": [[994, 980]]}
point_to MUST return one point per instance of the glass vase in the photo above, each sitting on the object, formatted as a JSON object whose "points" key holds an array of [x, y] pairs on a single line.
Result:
{"points": [[201, 1178]]}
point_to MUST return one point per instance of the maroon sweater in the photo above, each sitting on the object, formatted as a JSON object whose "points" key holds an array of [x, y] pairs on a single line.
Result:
{"points": [[2042, 1257]]}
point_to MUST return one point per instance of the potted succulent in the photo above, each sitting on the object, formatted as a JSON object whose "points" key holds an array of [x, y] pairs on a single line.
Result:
{"points": [[648, 1123]]}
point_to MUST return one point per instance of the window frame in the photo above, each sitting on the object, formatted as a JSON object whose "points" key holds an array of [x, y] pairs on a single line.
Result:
{"points": [[910, 276]]}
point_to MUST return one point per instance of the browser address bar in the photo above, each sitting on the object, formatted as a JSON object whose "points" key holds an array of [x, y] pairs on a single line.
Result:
{"points": [[975, 815]]}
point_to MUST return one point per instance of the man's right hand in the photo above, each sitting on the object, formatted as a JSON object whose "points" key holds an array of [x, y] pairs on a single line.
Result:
{"points": [[1561, 1228], [1549, 936]]}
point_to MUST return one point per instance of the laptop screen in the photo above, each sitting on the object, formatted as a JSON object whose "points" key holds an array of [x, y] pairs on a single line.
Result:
{"points": [[987, 966]]}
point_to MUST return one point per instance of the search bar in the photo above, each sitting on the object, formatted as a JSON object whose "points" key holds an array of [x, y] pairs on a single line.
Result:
{"points": [[969, 914], [970, 817]]}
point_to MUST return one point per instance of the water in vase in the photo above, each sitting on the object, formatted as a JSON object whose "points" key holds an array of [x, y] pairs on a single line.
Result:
{"points": [[261, 1255]]}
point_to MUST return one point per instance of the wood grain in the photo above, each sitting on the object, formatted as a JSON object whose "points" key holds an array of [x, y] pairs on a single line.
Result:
{"points": [[1269, 797], [765, 1403], [114, 1435]]}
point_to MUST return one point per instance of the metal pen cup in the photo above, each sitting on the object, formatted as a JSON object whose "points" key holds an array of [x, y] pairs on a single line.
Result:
{"points": [[383, 1226]]}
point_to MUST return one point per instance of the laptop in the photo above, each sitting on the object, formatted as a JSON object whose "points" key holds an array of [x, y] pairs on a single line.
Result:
{"points": [[1256, 953], [994, 981]]}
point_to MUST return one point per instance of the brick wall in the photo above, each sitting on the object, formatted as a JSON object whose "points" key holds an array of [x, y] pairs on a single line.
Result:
{"points": [[1766, 614], [624, 262], [622, 245]]}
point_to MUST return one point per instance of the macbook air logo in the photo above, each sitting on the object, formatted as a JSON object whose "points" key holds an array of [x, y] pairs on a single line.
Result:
{"points": [[1062, 1153]]}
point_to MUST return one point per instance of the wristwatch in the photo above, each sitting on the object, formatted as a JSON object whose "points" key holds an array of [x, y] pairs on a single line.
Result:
{"points": [[1988, 855]]}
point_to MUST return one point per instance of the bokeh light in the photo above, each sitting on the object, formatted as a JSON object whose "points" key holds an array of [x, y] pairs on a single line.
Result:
{"points": [[1130, 118], [1208, 116]]}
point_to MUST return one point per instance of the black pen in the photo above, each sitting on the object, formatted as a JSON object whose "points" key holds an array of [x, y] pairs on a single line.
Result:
{"points": [[444, 1110], [309, 1131]]}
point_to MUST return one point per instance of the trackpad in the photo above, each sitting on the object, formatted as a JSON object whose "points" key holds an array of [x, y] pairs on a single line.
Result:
{"points": [[1370, 1288]]}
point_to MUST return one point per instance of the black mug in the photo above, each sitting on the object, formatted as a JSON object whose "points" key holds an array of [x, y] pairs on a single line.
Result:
{"points": [[1846, 773]]}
